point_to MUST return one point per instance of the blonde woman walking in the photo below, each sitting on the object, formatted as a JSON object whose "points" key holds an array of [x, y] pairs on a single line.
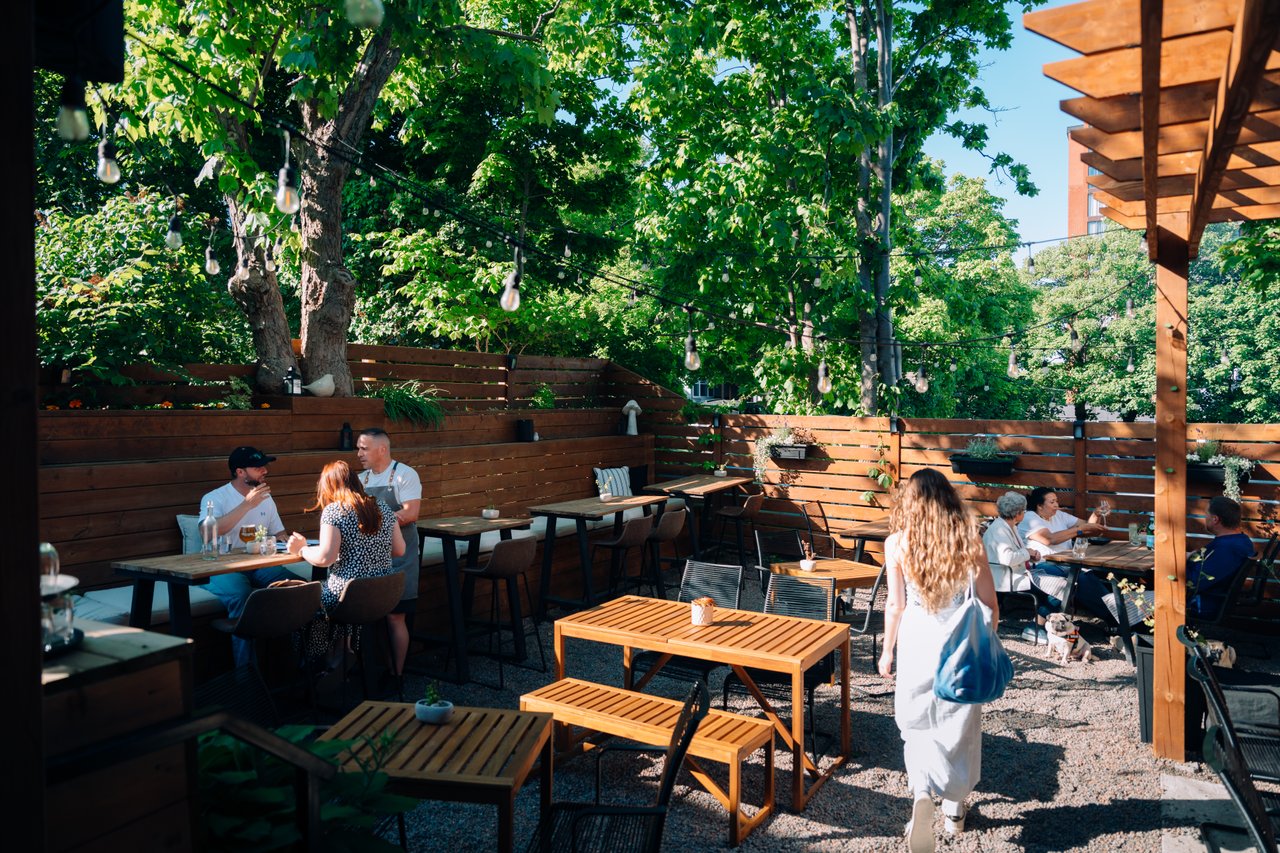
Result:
{"points": [[930, 558]]}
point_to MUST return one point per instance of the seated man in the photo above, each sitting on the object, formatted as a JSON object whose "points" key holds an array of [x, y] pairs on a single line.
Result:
{"points": [[245, 500], [1050, 529]]}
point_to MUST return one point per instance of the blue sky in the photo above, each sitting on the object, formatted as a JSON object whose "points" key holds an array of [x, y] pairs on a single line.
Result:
{"points": [[1032, 129]]}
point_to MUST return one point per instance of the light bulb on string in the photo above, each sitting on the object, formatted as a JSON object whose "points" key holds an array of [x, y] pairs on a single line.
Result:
{"points": [[211, 265], [1013, 370], [73, 116], [365, 13], [824, 378], [633, 298], [1128, 308], [922, 378], [568, 252], [1031, 260], [173, 238], [560, 275], [1076, 345], [692, 361], [1128, 368], [288, 200], [268, 259], [1224, 359], [724, 276], [108, 169], [919, 279], [953, 366], [817, 280], [436, 213], [1235, 379], [510, 300], [488, 244]]}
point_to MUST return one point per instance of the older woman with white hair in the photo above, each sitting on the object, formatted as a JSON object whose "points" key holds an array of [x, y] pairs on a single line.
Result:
{"points": [[1007, 552]]}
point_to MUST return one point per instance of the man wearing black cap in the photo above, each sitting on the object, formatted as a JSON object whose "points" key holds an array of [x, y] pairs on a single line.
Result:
{"points": [[243, 501]]}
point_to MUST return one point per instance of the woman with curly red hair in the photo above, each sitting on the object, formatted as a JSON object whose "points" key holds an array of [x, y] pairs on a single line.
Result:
{"points": [[932, 556]]}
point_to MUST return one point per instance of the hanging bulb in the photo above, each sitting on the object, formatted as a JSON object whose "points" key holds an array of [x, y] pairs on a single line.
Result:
{"points": [[73, 118], [953, 367], [1076, 346], [922, 380], [510, 300], [633, 298], [919, 280], [268, 259], [1128, 368], [1143, 244], [817, 281], [108, 168], [1128, 308], [568, 253], [1224, 359], [986, 387], [173, 239], [1031, 260], [488, 244], [824, 378], [1235, 379], [436, 213], [287, 198], [365, 13], [560, 275], [724, 276], [692, 361], [1013, 370], [211, 265]]}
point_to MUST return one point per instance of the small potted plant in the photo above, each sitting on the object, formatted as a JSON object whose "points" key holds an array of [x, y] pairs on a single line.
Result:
{"points": [[983, 456], [490, 510], [720, 472], [1212, 463], [431, 708], [785, 442], [807, 563], [603, 489]]}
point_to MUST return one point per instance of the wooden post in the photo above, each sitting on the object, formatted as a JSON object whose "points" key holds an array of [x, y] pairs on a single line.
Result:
{"points": [[1169, 700]]}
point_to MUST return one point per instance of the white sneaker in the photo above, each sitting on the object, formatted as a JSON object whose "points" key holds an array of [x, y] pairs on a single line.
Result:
{"points": [[955, 825], [920, 829]]}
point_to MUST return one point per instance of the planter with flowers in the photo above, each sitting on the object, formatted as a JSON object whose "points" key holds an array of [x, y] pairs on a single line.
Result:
{"points": [[785, 442], [1211, 463]]}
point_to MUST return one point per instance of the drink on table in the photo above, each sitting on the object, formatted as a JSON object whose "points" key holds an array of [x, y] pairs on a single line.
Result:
{"points": [[209, 534], [248, 535]]}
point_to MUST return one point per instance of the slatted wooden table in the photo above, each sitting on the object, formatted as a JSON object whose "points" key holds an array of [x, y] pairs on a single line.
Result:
{"points": [[864, 531], [702, 486], [847, 573], [739, 638], [182, 571], [581, 511], [465, 528], [482, 755], [1114, 556]]}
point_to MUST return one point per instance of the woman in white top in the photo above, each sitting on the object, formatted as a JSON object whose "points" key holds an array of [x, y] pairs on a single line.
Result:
{"points": [[1051, 529], [930, 559]]}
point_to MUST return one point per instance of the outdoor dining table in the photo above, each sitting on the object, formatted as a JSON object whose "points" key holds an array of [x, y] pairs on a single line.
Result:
{"points": [[465, 528], [581, 511], [847, 574], [739, 638], [703, 487], [182, 571], [482, 755], [863, 531]]}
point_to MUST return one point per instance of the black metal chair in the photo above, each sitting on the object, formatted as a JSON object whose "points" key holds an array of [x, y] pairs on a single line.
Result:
{"points": [[1257, 809], [667, 530], [722, 584], [807, 598], [509, 563], [776, 546], [745, 514], [1258, 747], [872, 617], [634, 533], [584, 827]]}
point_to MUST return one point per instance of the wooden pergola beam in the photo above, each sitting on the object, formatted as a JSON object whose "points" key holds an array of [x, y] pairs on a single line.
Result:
{"points": [[1152, 50], [1253, 41], [1190, 59], [1100, 25], [1178, 104]]}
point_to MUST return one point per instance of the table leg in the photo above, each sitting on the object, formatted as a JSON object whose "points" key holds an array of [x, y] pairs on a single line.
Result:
{"points": [[845, 710], [458, 630], [584, 554], [179, 609], [546, 774], [548, 550], [704, 524], [860, 548], [557, 649], [506, 823], [143, 599], [798, 756]]}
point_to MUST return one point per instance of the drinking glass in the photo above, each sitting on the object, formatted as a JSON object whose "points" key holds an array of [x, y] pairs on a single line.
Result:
{"points": [[1079, 546], [248, 533], [1104, 509], [1135, 535]]}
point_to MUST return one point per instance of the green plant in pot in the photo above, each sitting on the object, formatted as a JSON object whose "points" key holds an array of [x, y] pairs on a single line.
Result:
{"points": [[1212, 462], [982, 455], [785, 442], [431, 708], [409, 401]]}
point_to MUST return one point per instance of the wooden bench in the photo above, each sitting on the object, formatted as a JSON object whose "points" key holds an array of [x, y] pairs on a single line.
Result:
{"points": [[728, 738]]}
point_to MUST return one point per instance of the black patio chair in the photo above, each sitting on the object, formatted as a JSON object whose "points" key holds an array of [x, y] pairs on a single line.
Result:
{"points": [[722, 584], [1257, 809], [869, 621], [586, 827], [808, 598], [776, 546]]}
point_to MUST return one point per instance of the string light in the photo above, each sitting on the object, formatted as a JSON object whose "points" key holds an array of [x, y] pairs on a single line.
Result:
{"points": [[633, 298], [268, 259], [173, 238], [692, 361], [510, 300], [922, 377], [73, 116], [1128, 308], [724, 276], [1128, 368], [953, 366], [211, 265], [1013, 370], [824, 378], [1224, 359], [919, 279], [287, 199], [365, 13], [108, 169], [1031, 260], [568, 252], [1076, 346]]}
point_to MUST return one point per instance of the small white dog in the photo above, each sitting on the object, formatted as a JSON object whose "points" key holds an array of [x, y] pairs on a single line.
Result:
{"points": [[1065, 640]]}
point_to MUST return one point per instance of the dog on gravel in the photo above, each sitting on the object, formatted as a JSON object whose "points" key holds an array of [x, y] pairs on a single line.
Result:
{"points": [[1065, 640]]}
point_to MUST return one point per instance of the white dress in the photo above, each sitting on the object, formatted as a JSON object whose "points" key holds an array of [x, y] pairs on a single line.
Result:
{"points": [[942, 741]]}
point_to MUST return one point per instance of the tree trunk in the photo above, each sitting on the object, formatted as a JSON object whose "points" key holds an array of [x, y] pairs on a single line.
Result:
{"points": [[867, 380], [328, 287], [883, 169], [257, 293]]}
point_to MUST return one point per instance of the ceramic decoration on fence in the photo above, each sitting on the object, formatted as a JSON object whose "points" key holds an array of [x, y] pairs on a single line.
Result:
{"points": [[704, 610]]}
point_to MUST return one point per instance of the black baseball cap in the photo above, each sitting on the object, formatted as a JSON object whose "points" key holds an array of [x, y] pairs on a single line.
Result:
{"points": [[248, 457]]}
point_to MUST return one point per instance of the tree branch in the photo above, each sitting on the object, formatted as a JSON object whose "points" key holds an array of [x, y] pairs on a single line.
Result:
{"points": [[266, 66], [544, 17]]}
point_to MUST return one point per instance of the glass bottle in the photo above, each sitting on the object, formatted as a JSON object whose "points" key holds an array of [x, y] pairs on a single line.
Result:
{"points": [[209, 534]]}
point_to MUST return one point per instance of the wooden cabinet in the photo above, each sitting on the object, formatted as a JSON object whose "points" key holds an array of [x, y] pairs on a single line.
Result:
{"points": [[120, 681]]}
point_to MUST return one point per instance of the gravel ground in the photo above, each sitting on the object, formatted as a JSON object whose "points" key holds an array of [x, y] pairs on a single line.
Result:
{"points": [[1063, 768]]}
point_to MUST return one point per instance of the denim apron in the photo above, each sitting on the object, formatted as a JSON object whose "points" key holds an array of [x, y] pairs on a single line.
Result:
{"points": [[409, 562]]}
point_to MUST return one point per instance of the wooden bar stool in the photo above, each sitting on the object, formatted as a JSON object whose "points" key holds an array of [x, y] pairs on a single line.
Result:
{"points": [[740, 515], [667, 530], [363, 602], [635, 534]]}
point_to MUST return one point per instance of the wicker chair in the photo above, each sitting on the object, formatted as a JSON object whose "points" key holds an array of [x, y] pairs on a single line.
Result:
{"points": [[721, 583]]}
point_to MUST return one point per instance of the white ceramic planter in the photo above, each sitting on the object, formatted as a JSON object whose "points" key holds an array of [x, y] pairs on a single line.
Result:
{"points": [[704, 614], [808, 565], [489, 513], [434, 714], [606, 496]]}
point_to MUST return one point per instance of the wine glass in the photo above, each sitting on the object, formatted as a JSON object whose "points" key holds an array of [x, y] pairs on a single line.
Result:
{"points": [[1104, 510], [248, 533]]}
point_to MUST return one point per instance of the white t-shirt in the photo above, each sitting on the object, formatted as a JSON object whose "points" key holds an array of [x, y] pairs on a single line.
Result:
{"points": [[1031, 522], [402, 479], [226, 498]]}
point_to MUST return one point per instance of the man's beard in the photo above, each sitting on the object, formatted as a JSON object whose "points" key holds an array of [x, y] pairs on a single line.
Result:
{"points": [[252, 483]]}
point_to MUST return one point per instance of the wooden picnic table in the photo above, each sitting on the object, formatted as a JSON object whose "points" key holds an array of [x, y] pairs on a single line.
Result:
{"points": [[703, 486], [482, 755], [469, 529], [581, 511], [847, 574], [739, 638], [182, 571], [863, 531]]}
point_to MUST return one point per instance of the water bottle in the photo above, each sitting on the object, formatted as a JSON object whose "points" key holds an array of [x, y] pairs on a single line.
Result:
{"points": [[209, 534]]}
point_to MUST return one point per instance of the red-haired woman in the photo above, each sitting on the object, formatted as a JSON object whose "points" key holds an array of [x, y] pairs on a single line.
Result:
{"points": [[930, 559], [358, 538]]}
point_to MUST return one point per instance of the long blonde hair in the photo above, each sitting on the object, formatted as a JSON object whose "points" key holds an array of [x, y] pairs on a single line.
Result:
{"points": [[938, 543]]}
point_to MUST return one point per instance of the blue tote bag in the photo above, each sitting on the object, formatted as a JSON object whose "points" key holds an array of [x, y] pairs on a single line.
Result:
{"points": [[974, 667]]}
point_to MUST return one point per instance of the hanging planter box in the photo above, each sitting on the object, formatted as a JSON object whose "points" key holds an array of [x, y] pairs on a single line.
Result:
{"points": [[1212, 475], [789, 451], [998, 467]]}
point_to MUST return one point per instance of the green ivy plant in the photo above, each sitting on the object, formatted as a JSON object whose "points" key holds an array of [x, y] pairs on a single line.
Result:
{"points": [[544, 397]]}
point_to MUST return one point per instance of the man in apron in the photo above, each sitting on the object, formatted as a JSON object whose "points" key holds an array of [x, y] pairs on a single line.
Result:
{"points": [[397, 486]]}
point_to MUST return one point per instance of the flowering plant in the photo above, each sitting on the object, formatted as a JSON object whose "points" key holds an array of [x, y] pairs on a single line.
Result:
{"points": [[1233, 466]]}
